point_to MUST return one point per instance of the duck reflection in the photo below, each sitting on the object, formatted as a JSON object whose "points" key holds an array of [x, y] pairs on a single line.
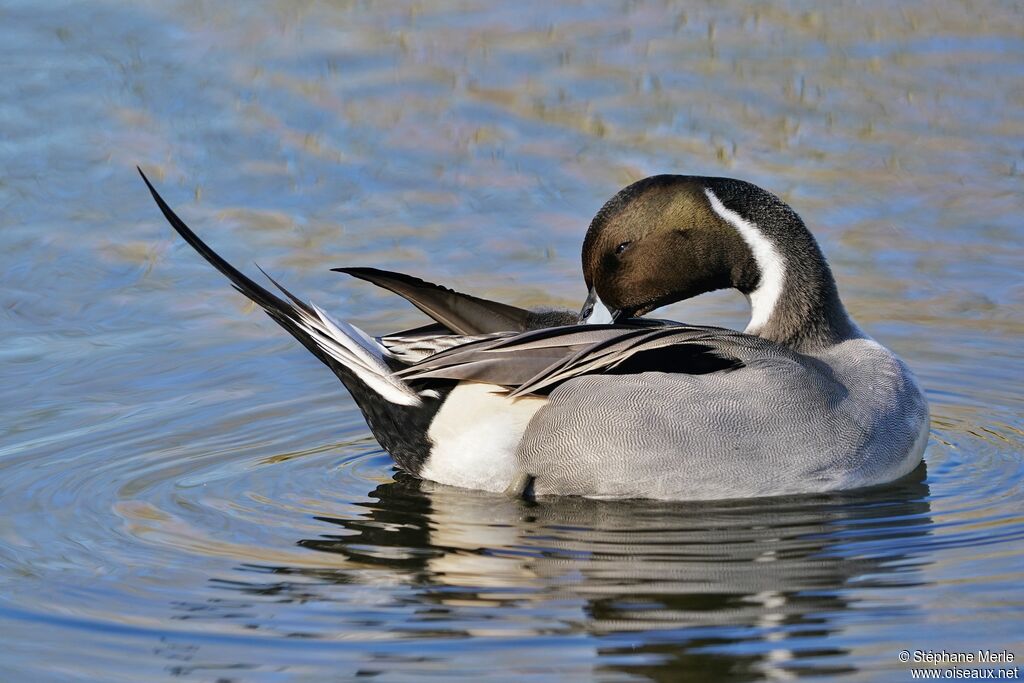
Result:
{"points": [[717, 590]]}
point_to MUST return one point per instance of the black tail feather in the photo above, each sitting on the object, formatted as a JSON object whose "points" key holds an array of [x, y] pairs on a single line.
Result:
{"points": [[278, 309], [241, 282], [400, 429]]}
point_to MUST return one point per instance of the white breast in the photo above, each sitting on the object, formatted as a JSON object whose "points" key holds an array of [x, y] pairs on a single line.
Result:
{"points": [[474, 437]]}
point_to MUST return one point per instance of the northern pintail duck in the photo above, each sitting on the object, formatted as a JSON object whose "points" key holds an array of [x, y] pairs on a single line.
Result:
{"points": [[604, 404]]}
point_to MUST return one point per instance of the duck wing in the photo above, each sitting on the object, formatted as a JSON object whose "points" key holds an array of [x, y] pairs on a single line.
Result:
{"points": [[460, 313], [412, 346], [535, 362], [417, 344]]}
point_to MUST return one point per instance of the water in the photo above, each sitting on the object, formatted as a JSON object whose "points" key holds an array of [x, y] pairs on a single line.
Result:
{"points": [[186, 494]]}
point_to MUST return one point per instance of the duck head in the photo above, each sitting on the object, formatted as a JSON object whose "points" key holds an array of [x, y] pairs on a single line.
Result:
{"points": [[668, 238]]}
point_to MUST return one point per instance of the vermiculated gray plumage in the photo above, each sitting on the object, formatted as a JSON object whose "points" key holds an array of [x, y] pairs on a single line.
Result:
{"points": [[491, 396], [780, 423]]}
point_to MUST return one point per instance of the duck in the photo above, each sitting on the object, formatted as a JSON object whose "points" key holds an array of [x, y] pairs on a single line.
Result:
{"points": [[609, 403]]}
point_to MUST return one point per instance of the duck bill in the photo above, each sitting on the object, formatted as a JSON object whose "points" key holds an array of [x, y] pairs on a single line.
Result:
{"points": [[594, 312]]}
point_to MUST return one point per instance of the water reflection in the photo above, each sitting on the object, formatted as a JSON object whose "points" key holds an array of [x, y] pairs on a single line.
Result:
{"points": [[163, 449], [731, 590]]}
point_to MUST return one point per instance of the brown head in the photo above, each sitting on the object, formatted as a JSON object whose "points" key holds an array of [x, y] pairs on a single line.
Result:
{"points": [[659, 241], [667, 238]]}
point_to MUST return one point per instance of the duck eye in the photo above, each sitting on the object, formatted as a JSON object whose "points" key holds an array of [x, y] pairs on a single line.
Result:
{"points": [[623, 247]]}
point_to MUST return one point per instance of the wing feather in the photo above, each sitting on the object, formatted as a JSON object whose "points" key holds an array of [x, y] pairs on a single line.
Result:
{"points": [[537, 361], [460, 313]]}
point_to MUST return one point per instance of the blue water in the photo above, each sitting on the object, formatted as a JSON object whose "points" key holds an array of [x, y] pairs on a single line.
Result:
{"points": [[186, 494]]}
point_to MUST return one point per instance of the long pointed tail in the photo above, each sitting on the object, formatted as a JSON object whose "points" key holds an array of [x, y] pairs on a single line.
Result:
{"points": [[346, 349]]}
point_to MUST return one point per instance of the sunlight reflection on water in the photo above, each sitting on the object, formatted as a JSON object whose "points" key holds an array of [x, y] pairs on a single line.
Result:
{"points": [[183, 493]]}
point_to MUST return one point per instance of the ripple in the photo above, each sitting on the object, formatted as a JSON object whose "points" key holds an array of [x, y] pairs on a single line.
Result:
{"points": [[185, 494], [231, 545]]}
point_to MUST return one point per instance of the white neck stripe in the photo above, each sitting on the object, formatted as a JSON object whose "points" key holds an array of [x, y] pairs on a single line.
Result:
{"points": [[771, 264], [600, 315]]}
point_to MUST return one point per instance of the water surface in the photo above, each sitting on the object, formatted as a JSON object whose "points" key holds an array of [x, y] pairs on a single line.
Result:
{"points": [[186, 494]]}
